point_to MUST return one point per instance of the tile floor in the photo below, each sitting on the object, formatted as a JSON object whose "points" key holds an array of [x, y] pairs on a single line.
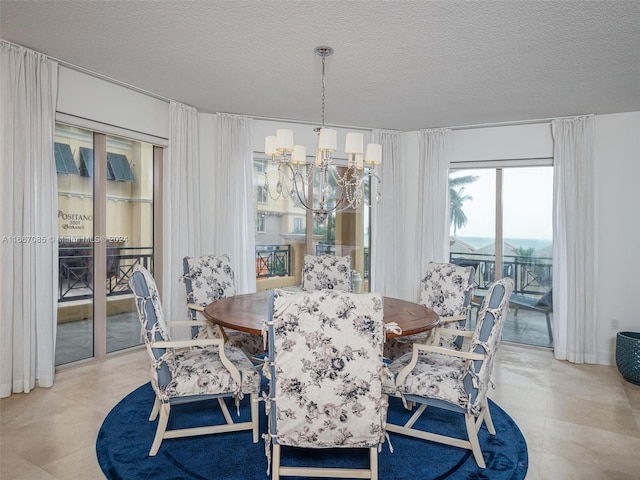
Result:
{"points": [[580, 421]]}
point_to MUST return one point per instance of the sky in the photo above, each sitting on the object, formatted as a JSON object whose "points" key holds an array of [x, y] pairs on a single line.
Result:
{"points": [[527, 201]]}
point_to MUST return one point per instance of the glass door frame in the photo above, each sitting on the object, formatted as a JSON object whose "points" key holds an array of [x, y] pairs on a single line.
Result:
{"points": [[100, 228]]}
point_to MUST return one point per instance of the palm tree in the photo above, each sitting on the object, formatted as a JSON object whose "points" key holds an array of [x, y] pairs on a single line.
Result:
{"points": [[457, 199]]}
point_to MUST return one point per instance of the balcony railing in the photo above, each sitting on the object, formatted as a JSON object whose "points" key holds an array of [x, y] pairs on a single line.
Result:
{"points": [[531, 275], [273, 261], [75, 270]]}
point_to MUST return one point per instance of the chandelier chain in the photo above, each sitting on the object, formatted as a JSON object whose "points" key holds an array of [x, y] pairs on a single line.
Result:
{"points": [[323, 91]]}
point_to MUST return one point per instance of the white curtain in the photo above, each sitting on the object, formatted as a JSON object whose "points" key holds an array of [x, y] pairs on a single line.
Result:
{"points": [[387, 219], [28, 220], [232, 213], [574, 252], [433, 201], [181, 207]]}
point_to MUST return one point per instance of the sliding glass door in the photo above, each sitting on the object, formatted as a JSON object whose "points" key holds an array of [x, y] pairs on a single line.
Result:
{"points": [[501, 224], [105, 224]]}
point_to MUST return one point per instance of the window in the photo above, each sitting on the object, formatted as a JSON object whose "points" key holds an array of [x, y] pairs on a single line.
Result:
{"points": [[285, 229], [260, 223], [261, 194]]}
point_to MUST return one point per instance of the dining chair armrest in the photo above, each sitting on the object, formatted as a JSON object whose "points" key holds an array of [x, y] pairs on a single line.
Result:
{"points": [[454, 332], [452, 318], [419, 347], [204, 342], [196, 307], [188, 323], [196, 342]]}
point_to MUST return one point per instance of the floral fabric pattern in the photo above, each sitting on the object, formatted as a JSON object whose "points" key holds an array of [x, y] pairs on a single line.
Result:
{"points": [[446, 289], [197, 371], [326, 369], [326, 272], [207, 279], [461, 382]]}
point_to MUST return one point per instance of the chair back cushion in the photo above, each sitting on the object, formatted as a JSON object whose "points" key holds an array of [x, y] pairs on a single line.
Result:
{"points": [[324, 272], [486, 338], [325, 356], [154, 325], [207, 278], [446, 288]]}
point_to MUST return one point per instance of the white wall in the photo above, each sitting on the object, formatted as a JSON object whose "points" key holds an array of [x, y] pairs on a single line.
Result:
{"points": [[618, 222], [91, 98]]}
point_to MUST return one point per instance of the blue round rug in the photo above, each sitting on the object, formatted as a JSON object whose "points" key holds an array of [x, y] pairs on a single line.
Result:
{"points": [[126, 435]]}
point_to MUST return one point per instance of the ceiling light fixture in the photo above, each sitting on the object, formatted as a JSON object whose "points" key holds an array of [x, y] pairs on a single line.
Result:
{"points": [[334, 191]]}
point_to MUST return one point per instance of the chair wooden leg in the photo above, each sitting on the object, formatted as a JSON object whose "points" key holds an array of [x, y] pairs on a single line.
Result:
{"points": [[162, 427], [155, 410], [255, 416], [275, 462], [487, 418], [373, 461], [470, 421], [225, 411]]}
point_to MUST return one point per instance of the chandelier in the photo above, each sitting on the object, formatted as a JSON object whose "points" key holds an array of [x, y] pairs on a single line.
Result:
{"points": [[297, 178]]}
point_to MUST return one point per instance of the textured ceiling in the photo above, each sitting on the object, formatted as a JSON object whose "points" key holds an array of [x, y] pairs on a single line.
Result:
{"points": [[402, 65]]}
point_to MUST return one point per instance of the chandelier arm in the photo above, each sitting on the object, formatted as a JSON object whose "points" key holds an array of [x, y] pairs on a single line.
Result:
{"points": [[304, 201]]}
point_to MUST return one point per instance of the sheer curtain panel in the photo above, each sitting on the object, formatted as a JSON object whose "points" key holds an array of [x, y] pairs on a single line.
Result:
{"points": [[181, 216], [433, 201], [574, 253], [28, 220], [233, 212], [387, 248]]}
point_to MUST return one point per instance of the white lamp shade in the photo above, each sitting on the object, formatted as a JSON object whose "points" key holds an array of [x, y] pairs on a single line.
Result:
{"points": [[299, 155], [270, 145], [354, 143], [359, 158], [373, 155], [328, 141], [284, 140]]}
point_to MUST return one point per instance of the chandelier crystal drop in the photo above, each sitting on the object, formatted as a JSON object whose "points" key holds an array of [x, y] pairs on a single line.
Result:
{"points": [[333, 191]]}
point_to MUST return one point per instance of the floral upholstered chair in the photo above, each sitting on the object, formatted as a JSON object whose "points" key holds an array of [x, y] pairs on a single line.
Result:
{"points": [[207, 279], [447, 290], [326, 272], [326, 372], [457, 380], [190, 370]]}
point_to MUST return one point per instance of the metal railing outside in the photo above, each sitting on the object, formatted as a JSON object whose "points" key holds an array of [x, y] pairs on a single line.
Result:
{"points": [[75, 270], [273, 261], [531, 275]]}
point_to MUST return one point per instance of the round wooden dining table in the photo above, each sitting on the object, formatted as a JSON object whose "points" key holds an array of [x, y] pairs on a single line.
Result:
{"points": [[248, 312]]}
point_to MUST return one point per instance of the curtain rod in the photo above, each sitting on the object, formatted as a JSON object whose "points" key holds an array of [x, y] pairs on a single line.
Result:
{"points": [[101, 76], [502, 124]]}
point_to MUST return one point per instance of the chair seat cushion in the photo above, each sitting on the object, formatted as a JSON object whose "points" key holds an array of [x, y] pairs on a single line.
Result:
{"points": [[434, 376], [252, 345], [201, 372]]}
